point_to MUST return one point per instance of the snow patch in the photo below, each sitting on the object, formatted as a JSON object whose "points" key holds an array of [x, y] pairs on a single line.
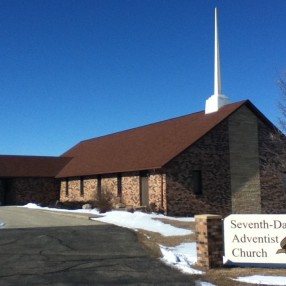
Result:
{"points": [[260, 279], [202, 283], [2, 224], [32, 206], [182, 257]]}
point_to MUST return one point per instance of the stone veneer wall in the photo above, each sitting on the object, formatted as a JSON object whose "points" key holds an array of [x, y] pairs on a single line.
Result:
{"points": [[74, 189], [21, 191], [109, 183], [244, 162], [130, 189], [74, 195], [89, 188], [63, 196], [157, 190], [210, 155], [272, 173]]}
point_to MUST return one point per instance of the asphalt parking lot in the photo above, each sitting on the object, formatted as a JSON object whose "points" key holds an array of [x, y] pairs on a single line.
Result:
{"points": [[75, 251]]}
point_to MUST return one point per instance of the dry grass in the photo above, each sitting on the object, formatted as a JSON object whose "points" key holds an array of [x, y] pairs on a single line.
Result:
{"points": [[219, 277]]}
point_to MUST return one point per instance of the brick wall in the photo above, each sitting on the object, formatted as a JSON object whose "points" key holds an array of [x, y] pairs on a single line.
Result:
{"points": [[272, 168], [20, 191], [209, 240], [210, 156], [244, 162]]}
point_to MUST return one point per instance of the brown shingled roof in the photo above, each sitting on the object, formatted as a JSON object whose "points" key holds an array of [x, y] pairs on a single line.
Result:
{"points": [[143, 148], [31, 166]]}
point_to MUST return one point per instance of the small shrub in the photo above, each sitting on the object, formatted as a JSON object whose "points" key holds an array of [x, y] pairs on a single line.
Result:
{"points": [[104, 201], [153, 208]]}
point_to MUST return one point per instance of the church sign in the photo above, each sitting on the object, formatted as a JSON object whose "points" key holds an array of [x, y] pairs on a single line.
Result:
{"points": [[255, 238]]}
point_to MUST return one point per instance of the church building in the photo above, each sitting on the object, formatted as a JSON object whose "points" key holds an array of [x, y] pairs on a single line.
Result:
{"points": [[214, 161]]}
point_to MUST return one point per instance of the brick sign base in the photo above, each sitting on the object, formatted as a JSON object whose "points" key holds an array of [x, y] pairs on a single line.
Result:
{"points": [[209, 238]]}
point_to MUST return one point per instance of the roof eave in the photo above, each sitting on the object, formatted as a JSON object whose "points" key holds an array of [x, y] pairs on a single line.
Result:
{"points": [[112, 172]]}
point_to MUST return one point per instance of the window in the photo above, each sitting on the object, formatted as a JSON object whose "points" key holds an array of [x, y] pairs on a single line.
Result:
{"points": [[99, 185], [197, 182], [67, 187], [81, 186], [119, 185]]}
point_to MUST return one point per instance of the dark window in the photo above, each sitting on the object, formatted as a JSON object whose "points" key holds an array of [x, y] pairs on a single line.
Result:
{"points": [[119, 185], [197, 182], [81, 186], [99, 185], [67, 187]]}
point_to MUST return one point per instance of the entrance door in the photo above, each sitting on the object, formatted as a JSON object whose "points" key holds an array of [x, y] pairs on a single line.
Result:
{"points": [[144, 189], [1, 193], [4, 189]]}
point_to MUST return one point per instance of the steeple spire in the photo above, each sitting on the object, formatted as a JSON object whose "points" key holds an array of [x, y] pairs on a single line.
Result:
{"points": [[217, 100], [217, 75]]}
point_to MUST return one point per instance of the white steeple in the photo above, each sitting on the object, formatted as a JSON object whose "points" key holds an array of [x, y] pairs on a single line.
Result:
{"points": [[217, 100]]}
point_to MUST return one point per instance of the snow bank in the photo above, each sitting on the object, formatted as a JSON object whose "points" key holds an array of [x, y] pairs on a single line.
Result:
{"points": [[139, 220], [136, 220]]}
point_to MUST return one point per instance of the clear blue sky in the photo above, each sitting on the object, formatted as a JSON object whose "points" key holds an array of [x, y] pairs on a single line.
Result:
{"points": [[73, 70]]}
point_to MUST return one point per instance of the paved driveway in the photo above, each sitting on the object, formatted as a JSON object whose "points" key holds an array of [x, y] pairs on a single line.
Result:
{"points": [[82, 252]]}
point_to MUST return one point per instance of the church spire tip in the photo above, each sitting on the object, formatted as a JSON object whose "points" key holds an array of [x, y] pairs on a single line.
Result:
{"points": [[217, 100]]}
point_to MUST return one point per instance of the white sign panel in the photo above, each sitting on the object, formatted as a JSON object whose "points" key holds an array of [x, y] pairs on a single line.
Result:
{"points": [[255, 238]]}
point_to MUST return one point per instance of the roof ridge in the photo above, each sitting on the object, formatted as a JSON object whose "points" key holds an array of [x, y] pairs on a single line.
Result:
{"points": [[155, 123]]}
